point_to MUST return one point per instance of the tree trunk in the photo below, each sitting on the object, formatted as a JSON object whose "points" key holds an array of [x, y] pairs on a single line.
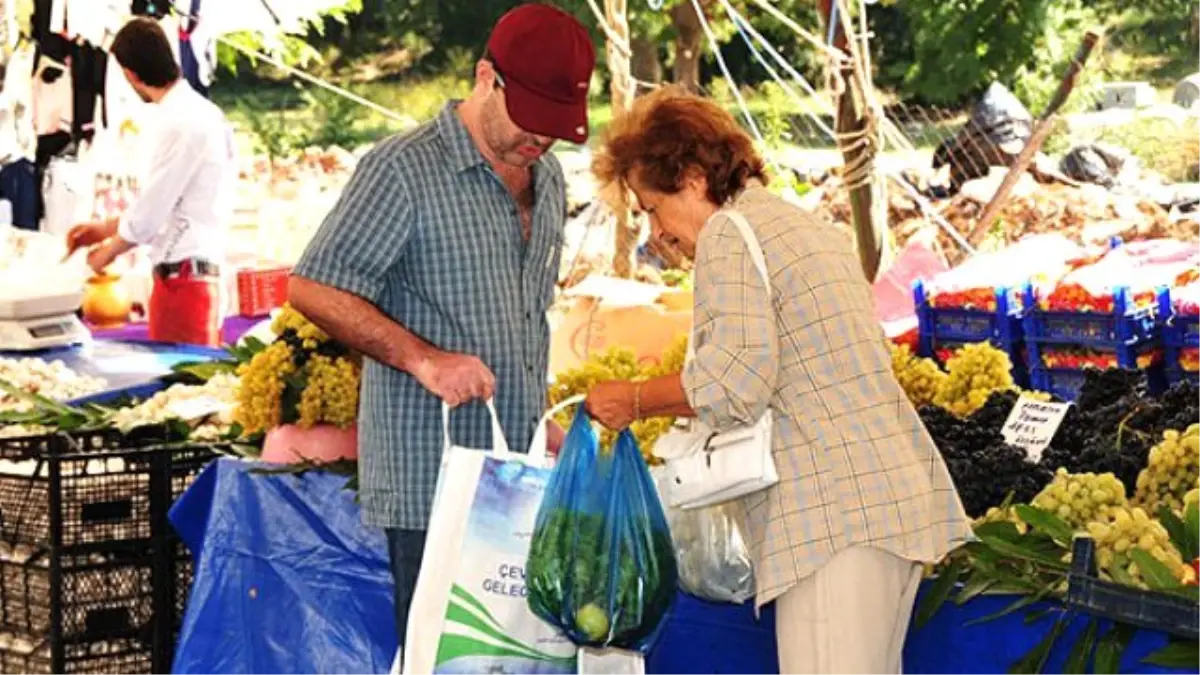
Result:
{"points": [[622, 92], [868, 200], [1194, 25], [688, 44], [645, 65]]}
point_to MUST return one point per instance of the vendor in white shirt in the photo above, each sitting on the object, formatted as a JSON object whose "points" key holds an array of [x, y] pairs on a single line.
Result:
{"points": [[185, 203]]}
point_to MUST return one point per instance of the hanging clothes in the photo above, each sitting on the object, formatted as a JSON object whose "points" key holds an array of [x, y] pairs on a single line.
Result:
{"points": [[53, 98], [89, 68], [19, 185], [197, 48], [153, 8]]}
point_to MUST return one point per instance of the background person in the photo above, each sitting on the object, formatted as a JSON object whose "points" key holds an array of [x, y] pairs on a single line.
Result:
{"points": [[186, 203]]}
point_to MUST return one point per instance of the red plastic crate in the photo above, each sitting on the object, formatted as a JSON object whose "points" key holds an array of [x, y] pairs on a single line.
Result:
{"points": [[262, 290]]}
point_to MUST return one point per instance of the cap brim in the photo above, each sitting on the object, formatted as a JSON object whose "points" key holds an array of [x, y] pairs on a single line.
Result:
{"points": [[545, 116]]}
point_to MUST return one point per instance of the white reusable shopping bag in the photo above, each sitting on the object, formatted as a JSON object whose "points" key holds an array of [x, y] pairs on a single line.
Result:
{"points": [[469, 612]]}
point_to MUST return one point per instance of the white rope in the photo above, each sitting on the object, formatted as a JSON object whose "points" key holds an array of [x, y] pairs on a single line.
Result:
{"points": [[621, 45], [737, 94], [816, 40], [887, 127], [312, 79]]}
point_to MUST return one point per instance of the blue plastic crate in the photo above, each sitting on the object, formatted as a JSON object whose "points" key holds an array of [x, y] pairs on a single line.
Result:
{"points": [[1066, 383], [1126, 325], [1177, 374], [1002, 326], [1152, 610]]}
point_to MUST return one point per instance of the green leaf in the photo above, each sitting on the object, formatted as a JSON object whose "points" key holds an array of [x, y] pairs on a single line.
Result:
{"points": [[1120, 570], [1156, 574], [1037, 615], [938, 593], [973, 588], [1179, 654], [1047, 523], [1177, 530], [1111, 648], [1081, 653], [1016, 550], [1035, 659], [1020, 603], [1000, 530], [1191, 518]]}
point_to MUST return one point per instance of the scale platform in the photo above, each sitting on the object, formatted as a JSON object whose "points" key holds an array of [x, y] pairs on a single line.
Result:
{"points": [[34, 323]]}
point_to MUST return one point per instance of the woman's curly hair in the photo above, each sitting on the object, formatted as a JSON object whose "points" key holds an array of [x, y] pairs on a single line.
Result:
{"points": [[669, 133]]}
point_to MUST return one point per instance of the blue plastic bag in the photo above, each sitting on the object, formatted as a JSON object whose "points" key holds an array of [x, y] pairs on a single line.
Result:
{"points": [[601, 563]]}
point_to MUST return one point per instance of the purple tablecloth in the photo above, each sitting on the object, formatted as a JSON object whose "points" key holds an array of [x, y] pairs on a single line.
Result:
{"points": [[233, 328]]}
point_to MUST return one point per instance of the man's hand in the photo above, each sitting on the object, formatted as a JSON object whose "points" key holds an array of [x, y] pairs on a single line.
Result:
{"points": [[612, 404], [89, 234], [103, 255], [455, 378]]}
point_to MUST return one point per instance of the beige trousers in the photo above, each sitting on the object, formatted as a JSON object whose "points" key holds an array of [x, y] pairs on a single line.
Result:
{"points": [[851, 616]]}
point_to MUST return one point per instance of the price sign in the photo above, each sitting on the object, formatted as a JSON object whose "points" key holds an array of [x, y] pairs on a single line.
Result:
{"points": [[1032, 424]]}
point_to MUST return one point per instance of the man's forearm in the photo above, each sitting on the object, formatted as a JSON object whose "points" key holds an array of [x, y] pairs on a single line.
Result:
{"points": [[358, 324]]}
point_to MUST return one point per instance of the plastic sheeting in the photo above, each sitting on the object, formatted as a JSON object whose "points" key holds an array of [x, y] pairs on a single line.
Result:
{"points": [[287, 580], [129, 368]]}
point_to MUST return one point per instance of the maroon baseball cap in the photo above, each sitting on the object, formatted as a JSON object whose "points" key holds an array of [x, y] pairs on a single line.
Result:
{"points": [[544, 58]]}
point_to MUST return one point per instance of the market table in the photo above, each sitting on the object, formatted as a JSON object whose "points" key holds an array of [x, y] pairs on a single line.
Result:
{"points": [[232, 329], [288, 580], [129, 368]]}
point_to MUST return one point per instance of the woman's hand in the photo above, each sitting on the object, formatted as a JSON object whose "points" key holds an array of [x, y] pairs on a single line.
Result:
{"points": [[613, 404]]}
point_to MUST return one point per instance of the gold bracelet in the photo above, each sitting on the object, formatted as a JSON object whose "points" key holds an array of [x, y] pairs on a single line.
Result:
{"points": [[637, 401]]}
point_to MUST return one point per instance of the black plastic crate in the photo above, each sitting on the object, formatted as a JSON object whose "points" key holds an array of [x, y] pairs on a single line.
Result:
{"points": [[88, 558], [95, 596], [19, 654], [1172, 614]]}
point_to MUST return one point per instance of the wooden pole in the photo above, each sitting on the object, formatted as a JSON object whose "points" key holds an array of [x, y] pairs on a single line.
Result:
{"points": [[866, 198], [1040, 131], [621, 92]]}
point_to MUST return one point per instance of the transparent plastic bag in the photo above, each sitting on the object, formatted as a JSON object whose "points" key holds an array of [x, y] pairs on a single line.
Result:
{"points": [[711, 549], [601, 563]]}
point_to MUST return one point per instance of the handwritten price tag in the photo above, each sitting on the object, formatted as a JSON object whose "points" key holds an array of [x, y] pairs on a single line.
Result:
{"points": [[1032, 424]]}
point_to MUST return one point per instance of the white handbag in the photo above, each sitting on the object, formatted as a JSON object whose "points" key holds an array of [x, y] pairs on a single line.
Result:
{"points": [[704, 467]]}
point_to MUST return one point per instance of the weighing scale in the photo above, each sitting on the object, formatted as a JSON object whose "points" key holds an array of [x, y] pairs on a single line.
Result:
{"points": [[42, 322]]}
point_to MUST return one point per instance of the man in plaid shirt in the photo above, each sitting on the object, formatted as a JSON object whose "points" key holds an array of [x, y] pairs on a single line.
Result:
{"points": [[439, 263]]}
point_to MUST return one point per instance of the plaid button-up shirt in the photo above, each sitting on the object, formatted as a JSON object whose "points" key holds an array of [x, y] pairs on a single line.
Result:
{"points": [[429, 233], [856, 465]]}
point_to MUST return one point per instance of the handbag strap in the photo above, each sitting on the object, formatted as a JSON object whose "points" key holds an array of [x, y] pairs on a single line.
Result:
{"points": [[756, 254], [755, 249]]}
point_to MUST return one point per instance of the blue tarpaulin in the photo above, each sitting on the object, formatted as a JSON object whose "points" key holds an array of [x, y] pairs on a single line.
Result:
{"points": [[288, 580]]}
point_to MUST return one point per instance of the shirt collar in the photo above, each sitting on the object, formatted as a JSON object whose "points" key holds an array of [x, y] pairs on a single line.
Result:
{"points": [[461, 152]]}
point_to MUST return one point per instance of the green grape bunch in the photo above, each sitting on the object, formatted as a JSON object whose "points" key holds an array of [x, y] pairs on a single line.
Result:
{"points": [[973, 374], [1080, 498], [619, 363], [1172, 470], [1125, 528], [920, 378]]}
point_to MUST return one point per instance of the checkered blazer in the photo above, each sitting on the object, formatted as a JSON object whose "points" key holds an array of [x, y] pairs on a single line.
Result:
{"points": [[856, 465]]}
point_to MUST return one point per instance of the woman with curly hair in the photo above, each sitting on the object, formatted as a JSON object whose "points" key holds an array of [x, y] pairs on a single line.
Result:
{"points": [[864, 498]]}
